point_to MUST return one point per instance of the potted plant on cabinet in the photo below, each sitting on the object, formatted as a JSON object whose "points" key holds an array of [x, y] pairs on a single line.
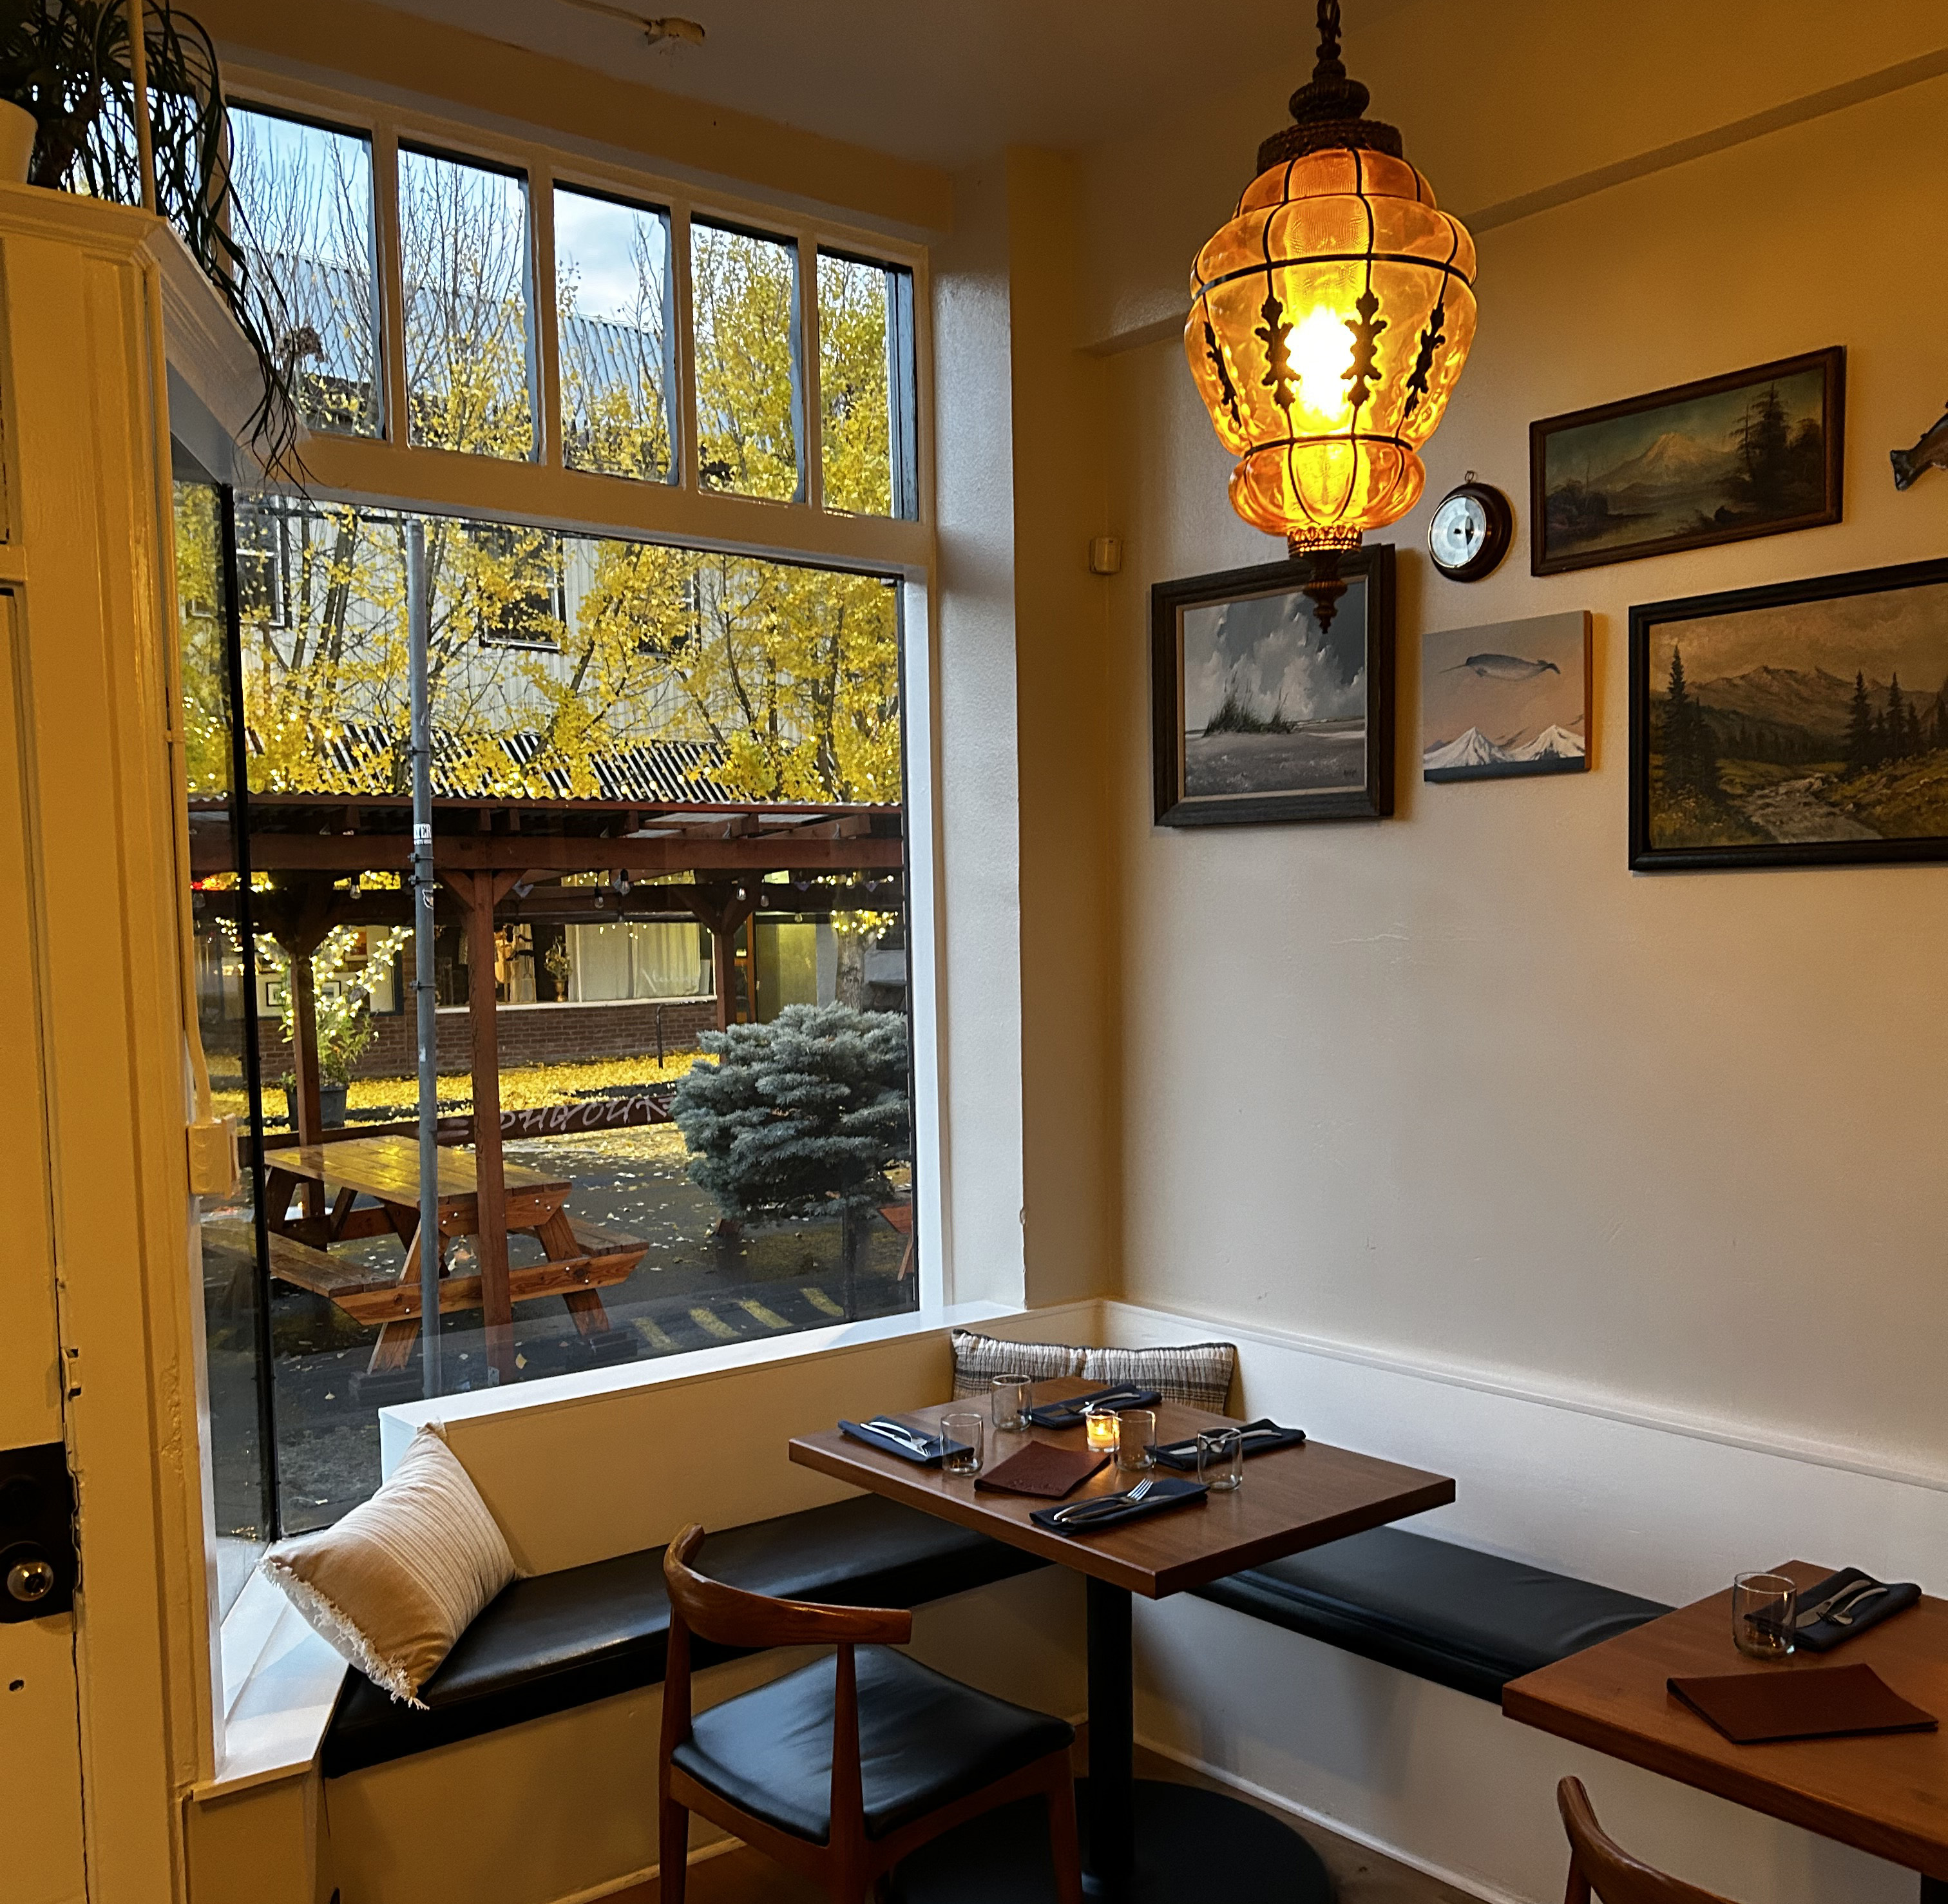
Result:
{"points": [[67, 120]]}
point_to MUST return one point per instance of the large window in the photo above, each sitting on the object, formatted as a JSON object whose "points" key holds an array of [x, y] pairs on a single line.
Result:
{"points": [[668, 783], [703, 759]]}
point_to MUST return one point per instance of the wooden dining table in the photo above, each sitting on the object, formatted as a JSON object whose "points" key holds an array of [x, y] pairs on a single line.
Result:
{"points": [[579, 1260], [1148, 1842], [1887, 1793]]}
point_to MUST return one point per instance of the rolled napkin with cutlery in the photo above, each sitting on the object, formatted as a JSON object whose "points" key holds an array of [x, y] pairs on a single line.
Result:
{"points": [[1154, 1494], [1068, 1414], [899, 1438], [1845, 1605], [1259, 1437]]}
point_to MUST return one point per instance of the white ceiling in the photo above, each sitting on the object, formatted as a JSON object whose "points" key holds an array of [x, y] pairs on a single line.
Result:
{"points": [[940, 81]]}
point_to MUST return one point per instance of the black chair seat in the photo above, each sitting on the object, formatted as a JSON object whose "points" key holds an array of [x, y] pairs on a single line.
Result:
{"points": [[562, 1640], [1467, 1619], [925, 1740]]}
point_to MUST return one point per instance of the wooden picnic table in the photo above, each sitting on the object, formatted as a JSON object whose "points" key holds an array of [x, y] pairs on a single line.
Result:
{"points": [[580, 1259]]}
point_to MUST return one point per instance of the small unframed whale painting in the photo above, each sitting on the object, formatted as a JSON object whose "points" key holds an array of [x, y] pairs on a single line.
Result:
{"points": [[1510, 699]]}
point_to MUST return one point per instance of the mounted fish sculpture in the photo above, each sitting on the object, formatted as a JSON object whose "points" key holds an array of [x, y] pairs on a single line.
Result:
{"points": [[1932, 449]]}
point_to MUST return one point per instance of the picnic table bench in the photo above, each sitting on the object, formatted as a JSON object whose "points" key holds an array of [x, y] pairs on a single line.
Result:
{"points": [[580, 1259]]}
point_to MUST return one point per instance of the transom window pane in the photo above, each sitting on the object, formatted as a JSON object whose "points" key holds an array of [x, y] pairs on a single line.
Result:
{"points": [[303, 198], [612, 299], [744, 302], [866, 386], [464, 258]]}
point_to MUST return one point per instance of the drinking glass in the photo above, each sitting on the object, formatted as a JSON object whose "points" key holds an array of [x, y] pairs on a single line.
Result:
{"points": [[1763, 1608], [1220, 1459], [1101, 1428], [1135, 1429], [962, 1434], [1010, 1403]]}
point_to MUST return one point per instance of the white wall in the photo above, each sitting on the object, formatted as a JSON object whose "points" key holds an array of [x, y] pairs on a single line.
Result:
{"points": [[1456, 1084]]}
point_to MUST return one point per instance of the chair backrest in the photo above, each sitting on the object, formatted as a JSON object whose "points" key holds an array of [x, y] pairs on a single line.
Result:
{"points": [[730, 1616], [1598, 1863]]}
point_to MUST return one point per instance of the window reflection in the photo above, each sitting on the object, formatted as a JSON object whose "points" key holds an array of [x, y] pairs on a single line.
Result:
{"points": [[744, 305], [617, 335], [303, 195], [463, 258]]}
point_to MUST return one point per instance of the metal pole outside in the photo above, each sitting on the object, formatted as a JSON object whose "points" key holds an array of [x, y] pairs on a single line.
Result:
{"points": [[419, 623]]}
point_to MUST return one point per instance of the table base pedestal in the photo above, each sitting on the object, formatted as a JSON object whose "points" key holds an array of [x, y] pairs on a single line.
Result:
{"points": [[1191, 1845]]}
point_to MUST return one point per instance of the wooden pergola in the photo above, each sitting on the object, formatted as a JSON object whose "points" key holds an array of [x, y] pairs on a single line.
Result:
{"points": [[502, 862]]}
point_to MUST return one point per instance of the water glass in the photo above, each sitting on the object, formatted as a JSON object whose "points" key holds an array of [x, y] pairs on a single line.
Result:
{"points": [[1135, 1429], [1101, 1428], [1220, 1459], [1010, 1403], [962, 1434], [1763, 1608]]}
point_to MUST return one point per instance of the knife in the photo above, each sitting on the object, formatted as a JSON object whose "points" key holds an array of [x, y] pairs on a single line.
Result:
{"points": [[898, 1431]]}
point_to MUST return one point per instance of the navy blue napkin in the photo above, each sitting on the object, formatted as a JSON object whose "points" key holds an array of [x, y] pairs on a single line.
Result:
{"points": [[1869, 1610], [936, 1445], [1068, 1414], [1166, 1493], [1261, 1437]]}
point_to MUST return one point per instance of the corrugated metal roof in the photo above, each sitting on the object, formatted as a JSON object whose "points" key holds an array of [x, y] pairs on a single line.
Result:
{"points": [[673, 772]]}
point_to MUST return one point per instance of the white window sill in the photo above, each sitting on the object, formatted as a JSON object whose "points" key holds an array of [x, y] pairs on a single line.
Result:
{"points": [[280, 1683], [280, 1680], [397, 1424]]}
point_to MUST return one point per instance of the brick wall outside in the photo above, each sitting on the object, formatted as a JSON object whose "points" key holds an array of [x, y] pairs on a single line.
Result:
{"points": [[529, 1034]]}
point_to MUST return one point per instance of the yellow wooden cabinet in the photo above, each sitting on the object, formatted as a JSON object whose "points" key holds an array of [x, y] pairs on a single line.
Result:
{"points": [[110, 337]]}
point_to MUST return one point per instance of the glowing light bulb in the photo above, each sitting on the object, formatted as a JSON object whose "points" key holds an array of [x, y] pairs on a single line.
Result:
{"points": [[1320, 347]]}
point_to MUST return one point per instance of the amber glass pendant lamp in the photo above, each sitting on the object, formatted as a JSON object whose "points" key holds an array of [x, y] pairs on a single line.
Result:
{"points": [[1329, 321]]}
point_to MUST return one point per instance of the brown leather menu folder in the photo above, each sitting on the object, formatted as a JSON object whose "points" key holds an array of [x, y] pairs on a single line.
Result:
{"points": [[1042, 1469], [1828, 1702]]}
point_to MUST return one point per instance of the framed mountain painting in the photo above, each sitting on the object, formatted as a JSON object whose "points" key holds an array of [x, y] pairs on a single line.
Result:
{"points": [[1260, 713], [1802, 723], [1507, 700], [1754, 452]]}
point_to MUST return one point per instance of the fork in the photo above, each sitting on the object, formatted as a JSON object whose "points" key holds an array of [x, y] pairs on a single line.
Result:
{"points": [[1103, 1503]]}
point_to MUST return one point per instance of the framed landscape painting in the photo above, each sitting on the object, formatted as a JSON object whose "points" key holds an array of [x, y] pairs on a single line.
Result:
{"points": [[1508, 700], [1258, 714], [1803, 724], [1754, 452]]}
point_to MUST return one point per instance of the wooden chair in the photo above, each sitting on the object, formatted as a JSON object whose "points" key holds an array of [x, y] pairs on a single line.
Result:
{"points": [[1598, 1865], [839, 1770]]}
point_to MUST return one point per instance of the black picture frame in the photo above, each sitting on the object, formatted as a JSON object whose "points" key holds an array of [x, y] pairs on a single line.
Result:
{"points": [[1654, 487], [1372, 602], [1927, 695]]}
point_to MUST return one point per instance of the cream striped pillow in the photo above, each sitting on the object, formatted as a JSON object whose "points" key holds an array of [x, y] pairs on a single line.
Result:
{"points": [[978, 1358], [394, 1584], [1198, 1373]]}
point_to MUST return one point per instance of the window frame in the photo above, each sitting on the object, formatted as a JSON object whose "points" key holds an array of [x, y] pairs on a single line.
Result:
{"points": [[546, 491]]}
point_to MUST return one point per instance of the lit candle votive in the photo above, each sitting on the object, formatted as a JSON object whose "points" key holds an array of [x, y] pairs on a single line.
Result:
{"points": [[1102, 1427]]}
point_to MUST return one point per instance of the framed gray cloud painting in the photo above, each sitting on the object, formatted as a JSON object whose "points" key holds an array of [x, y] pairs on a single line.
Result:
{"points": [[1801, 724], [1259, 714], [1753, 452], [1506, 700]]}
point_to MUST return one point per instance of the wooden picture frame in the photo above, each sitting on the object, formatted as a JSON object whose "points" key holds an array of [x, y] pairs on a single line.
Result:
{"points": [[1789, 693], [1271, 721], [1753, 452]]}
